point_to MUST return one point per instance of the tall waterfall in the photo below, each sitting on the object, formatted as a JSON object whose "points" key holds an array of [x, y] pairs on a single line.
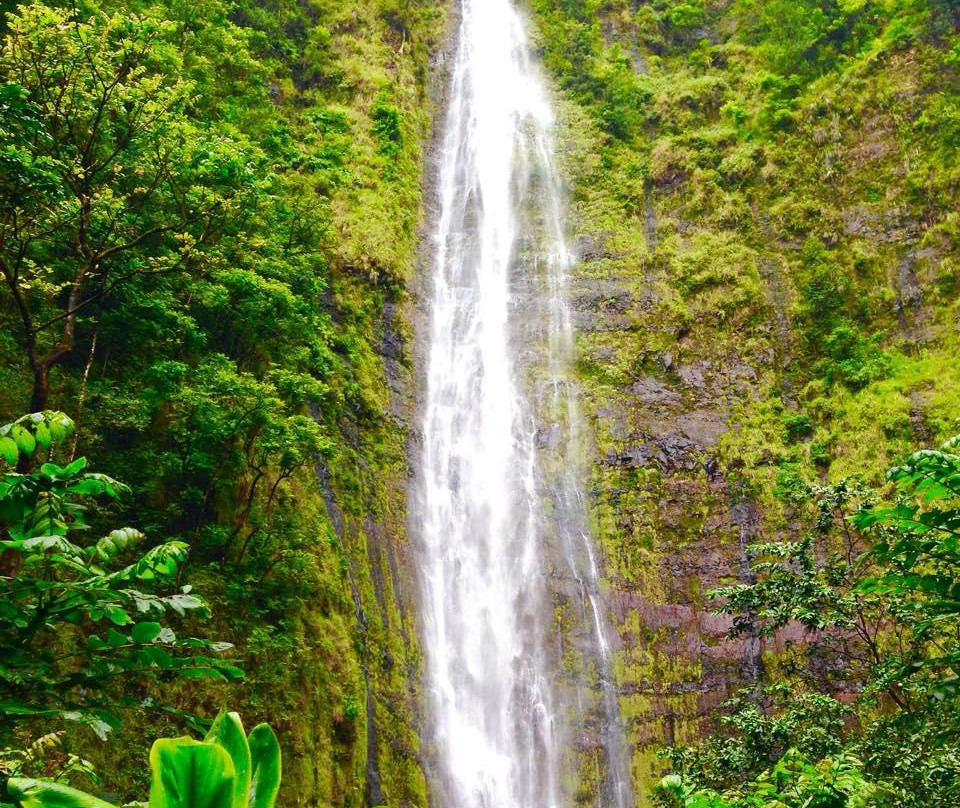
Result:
{"points": [[501, 513]]}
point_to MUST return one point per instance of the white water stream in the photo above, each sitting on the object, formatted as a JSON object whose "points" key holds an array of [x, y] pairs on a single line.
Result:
{"points": [[500, 502]]}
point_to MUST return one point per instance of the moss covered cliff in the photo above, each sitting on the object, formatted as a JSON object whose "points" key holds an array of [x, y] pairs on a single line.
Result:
{"points": [[764, 200]]}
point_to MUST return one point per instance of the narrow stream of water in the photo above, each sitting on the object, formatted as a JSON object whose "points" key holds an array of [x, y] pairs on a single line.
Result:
{"points": [[501, 513]]}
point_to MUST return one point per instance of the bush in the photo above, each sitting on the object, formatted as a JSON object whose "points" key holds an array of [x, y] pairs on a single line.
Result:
{"points": [[227, 769]]}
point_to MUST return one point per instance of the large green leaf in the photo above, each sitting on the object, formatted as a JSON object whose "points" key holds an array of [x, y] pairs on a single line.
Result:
{"points": [[227, 730], [24, 439], [186, 773], [43, 436], [146, 632], [9, 450], [265, 754], [38, 794]]}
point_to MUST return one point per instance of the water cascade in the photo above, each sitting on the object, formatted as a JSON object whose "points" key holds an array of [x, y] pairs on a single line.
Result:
{"points": [[501, 514]]}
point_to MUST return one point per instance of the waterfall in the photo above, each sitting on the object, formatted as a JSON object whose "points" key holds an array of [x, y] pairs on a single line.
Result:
{"points": [[501, 510]]}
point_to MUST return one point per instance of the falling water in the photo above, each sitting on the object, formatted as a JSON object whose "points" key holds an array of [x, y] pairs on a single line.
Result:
{"points": [[501, 503]]}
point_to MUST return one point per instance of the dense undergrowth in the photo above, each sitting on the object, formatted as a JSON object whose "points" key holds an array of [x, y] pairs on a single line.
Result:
{"points": [[864, 712], [209, 213]]}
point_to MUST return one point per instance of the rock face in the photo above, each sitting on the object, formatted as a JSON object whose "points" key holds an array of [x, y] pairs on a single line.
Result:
{"points": [[757, 308], [671, 526]]}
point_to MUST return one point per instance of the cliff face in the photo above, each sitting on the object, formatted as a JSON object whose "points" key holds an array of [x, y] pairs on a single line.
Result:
{"points": [[764, 210], [348, 701]]}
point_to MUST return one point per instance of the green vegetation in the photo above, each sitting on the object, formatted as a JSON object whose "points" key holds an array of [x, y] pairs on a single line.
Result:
{"points": [[209, 215], [764, 198], [227, 768], [882, 621], [73, 617], [208, 218]]}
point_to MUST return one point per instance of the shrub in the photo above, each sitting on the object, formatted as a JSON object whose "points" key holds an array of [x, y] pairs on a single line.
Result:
{"points": [[227, 769]]}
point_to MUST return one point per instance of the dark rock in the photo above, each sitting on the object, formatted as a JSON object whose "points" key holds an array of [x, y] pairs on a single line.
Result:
{"points": [[702, 427], [548, 437], [651, 390], [694, 374], [591, 248]]}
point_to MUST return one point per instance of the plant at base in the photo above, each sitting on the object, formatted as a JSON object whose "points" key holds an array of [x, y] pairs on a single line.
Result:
{"points": [[918, 552], [878, 593], [227, 768], [794, 782], [75, 617], [758, 728]]}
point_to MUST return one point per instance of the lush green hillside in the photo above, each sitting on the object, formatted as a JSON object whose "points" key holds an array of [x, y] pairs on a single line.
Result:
{"points": [[765, 196], [209, 218]]}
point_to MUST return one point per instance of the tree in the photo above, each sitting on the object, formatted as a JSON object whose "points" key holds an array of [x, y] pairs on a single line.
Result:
{"points": [[75, 617], [106, 176], [794, 782], [918, 549], [877, 587]]}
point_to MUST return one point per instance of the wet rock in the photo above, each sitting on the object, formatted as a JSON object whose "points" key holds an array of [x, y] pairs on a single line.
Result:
{"points": [[603, 296], [911, 295], [694, 374], [671, 452], [890, 225], [591, 248], [702, 427], [633, 457], [651, 390], [548, 437], [738, 371]]}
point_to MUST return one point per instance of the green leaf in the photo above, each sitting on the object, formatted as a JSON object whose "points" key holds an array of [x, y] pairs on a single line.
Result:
{"points": [[38, 794], [265, 756], [145, 632], [114, 543], [181, 603], [115, 639], [44, 438], [9, 451], [227, 730], [24, 440], [186, 773], [57, 431], [86, 486], [76, 466], [116, 615]]}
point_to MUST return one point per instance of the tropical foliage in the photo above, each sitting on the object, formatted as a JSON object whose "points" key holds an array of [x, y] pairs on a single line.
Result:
{"points": [[77, 613], [227, 768], [208, 213], [876, 587]]}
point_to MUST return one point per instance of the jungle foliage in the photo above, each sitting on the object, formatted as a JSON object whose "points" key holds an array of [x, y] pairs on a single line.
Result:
{"points": [[77, 615], [876, 587], [227, 768], [206, 211]]}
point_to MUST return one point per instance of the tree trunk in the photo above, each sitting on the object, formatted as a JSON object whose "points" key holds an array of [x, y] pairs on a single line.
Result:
{"points": [[38, 403], [41, 387]]}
